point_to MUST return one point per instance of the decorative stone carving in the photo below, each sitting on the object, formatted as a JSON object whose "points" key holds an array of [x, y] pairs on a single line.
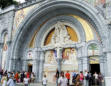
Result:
{"points": [[60, 35]]}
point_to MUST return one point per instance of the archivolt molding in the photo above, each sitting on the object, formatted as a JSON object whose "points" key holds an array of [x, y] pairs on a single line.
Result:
{"points": [[58, 7], [66, 20]]}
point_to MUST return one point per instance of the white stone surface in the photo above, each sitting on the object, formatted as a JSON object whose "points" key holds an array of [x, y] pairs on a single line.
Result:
{"points": [[107, 81]]}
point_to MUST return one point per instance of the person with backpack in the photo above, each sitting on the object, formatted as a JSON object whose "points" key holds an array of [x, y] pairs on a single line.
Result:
{"points": [[74, 75], [77, 80], [86, 80]]}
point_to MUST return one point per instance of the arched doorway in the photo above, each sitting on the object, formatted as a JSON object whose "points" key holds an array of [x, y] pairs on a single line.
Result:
{"points": [[94, 60], [30, 66]]}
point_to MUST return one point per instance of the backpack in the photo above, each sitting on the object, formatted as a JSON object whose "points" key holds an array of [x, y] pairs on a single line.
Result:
{"points": [[74, 76], [87, 77]]}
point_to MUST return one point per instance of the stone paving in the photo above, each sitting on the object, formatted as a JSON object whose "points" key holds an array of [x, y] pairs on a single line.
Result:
{"points": [[39, 84], [36, 84], [49, 84]]}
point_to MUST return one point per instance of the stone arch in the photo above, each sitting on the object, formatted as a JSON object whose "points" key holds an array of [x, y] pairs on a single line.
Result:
{"points": [[66, 19], [39, 15]]}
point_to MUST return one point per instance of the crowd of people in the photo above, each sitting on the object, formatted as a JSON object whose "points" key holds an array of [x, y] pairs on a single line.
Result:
{"points": [[62, 79], [79, 79], [11, 78]]}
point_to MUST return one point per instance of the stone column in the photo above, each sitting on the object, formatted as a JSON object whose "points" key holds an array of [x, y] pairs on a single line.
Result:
{"points": [[41, 66], [35, 69], [80, 64], [59, 58], [108, 76], [103, 65], [25, 65], [85, 58], [85, 63], [34, 60], [36, 63], [109, 63], [80, 59]]}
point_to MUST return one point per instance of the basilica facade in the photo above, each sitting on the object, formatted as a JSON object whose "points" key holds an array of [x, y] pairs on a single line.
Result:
{"points": [[42, 36]]}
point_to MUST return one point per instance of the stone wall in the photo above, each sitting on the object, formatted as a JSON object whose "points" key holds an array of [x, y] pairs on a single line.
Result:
{"points": [[6, 21], [6, 24]]}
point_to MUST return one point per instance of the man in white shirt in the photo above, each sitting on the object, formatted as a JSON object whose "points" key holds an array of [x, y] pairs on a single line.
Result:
{"points": [[62, 80], [86, 80], [95, 78], [26, 81]]}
